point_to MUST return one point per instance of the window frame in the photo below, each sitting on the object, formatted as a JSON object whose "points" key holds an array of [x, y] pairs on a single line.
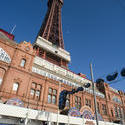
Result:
{"points": [[15, 85], [35, 86], [51, 96], [23, 64], [104, 109], [68, 101], [88, 102], [78, 102]]}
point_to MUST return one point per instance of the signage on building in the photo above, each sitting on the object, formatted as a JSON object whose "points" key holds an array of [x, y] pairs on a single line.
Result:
{"points": [[4, 56], [59, 70], [63, 80]]}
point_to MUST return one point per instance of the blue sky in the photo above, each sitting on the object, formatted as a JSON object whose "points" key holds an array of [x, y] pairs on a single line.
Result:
{"points": [[93, 30]]}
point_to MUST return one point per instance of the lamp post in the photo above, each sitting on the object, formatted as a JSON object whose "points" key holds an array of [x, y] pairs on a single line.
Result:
{"points": [[93, 87]]}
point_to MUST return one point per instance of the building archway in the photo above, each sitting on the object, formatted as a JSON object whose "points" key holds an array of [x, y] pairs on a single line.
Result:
{"points": [[87, 113], [74, 112]]}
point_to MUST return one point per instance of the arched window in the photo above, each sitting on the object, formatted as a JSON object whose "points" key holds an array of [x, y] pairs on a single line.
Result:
{"points": [[23, 62], [15, 86], [0, 81]]}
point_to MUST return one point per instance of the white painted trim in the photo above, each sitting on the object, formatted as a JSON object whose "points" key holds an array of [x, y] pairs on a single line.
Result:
{"points": [[18, 112], [43, 43], [59, 70], [61, 74]]}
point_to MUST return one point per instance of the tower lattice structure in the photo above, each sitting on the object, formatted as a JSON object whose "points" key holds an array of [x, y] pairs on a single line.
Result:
{"points": [[51, 28], [49, 43]]}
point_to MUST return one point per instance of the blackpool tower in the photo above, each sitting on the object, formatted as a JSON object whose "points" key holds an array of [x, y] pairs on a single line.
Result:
{"points": [[51, 28], [49, 43]]}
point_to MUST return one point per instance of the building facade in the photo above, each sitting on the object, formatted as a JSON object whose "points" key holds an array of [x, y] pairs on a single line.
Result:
{"points": [[33, 75]]}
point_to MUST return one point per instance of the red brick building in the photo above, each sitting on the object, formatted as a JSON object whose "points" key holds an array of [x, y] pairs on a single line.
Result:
{"points": [[34, 75]]}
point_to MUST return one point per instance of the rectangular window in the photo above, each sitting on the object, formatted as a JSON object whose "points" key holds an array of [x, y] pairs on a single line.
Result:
{"points": [[23, 62], [15, 86], [120, 113], [53, 99], [68, 101], [50, 90], [54, 92], [88, 102], [49, 98], [77, 102], [116, 111], [52, 96], [104, 110], [35, 91], [0, 81], [33, 85], [32, 92], [41, 53], [39, 87]]}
